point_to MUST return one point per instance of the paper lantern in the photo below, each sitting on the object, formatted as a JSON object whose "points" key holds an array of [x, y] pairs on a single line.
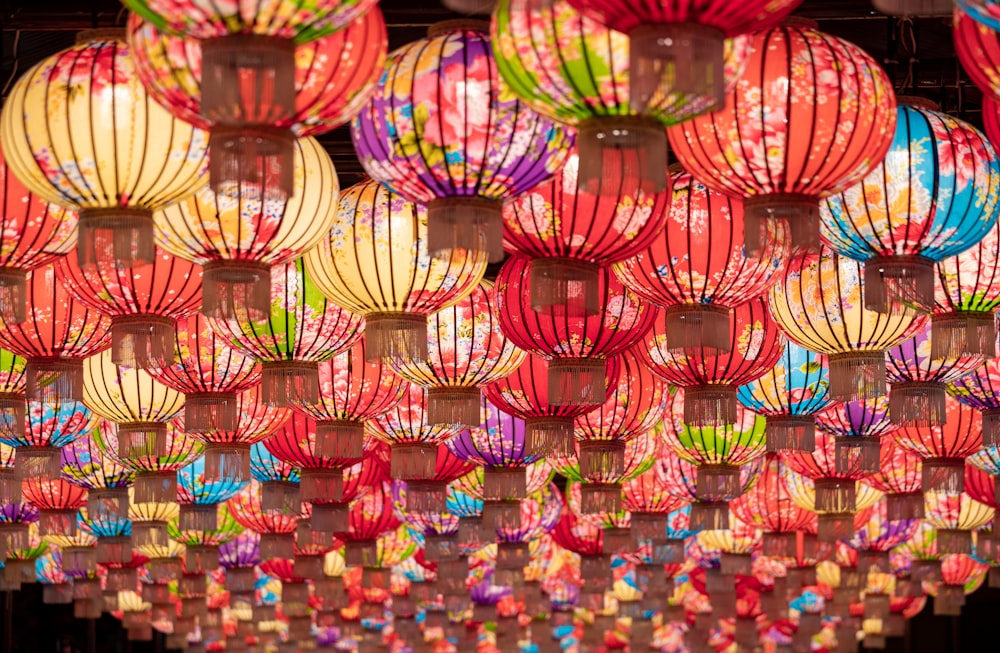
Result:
{"points": [[59, 334], [302, 329], [155, 475], [12, 391], [818, 304], [442, 131], [114, 162], [954, 517], [57, 501], [277, 530], [239, 238], [466, 350], [918, 380], [622, 140], [931, 198], [143, 303], [977, 45], [140, 405], [981, 482], [549, 425], [199, 496], [880, 534], [945, 447], [986, 12], [45, 427], [85, 464], [577, 347], [279, 480], [680, 479], [899, 476], [836, 523], [374, 226], [857, 428], [780, 147]]}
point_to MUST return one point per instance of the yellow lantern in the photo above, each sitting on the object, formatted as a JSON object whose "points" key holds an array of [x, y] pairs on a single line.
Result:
{"points": [[374, 262], [137, 403], [79, 131]]}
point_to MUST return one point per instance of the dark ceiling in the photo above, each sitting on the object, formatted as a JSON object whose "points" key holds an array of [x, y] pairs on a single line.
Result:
{"points": [[34, 29]]}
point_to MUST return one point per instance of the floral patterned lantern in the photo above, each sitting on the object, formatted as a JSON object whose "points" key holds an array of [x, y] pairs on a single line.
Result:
{"points": [[832, 526], [578, 347], [699, 281], [679, 478], [12, 393], [933, 197], [985, 12], [372, 226], [135, 401], [775, 144], [302, 329], [709, 377], [57, 501], [85, 464], [818, 304], [569, 233], [538, 46], [878, 535], [333, 78], [441, 130], [945, 447], [918, 380], [155, 475], [199, 497], [114, 162], [976, 390], [279, 480], [61, 332], [966, 300], [857, 428], [955, 517], [352, 390], [960, 575], [899, 476], [34, 233], [981, 482], [149, 523], [977, 46], [790, 395], [370, 516], [143, 303], [276, 530], [209, 373], [654, 514], [47, 425], [466, 350]]}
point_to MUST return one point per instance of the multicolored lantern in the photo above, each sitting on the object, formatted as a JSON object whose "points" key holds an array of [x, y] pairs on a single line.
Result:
{"points": [[86, 465], [680, 480], [819, 305], [155, 476], [47, 425], [955, 517], [776, 144], [199, 497], [373, 226], [932, 197], [114, 162], [57, 501], [945, 447], [442, 131], [899, 476]]}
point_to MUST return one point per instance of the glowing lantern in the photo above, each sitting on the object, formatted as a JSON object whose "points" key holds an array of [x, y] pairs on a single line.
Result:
{"points": [[302, 329], [954, 517], [780, 147], [857, 428], [679, 478], [878, 535], [155, 475], [818, 304], [135, 401], [578, 347], [960, 575], [47, 425], [12, 399], [945, 447], [790, 395], [622, 140], [374, 226], [442, 131], [931, 198], [114, 162], [199, 497], [276, 530], [985, 12], [710, 378], [57, 501], [107, 481], [60, 333], [899, 476]]}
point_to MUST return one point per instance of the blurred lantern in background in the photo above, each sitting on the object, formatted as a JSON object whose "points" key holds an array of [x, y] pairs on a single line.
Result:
{"points": [[680, 480], [107, 481], [57, 501], [857, 429], [980, 389], [114, 162], [899, 476], [945, 447]]}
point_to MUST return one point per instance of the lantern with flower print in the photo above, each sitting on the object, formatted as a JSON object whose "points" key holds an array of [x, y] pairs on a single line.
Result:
{"points": [[279, 480], [586, 539], [85, 464], [578, 347], [790, 395], [980, 486], [239, 556], [918, 380], [818, 304], [932, 197], [710, 378], [960, 575], [878, 535], [370, 516], [680, 480], [441, 130], [779, 146], [980, 389], [977, 47], [374, 225], [955, 517], [135, 401], [114, 162], [302, 329], [651, 508], [199, 496], [203, 544], [639, 454], [60, 332], [149, 522], [47, 425], [436, 529], [466, 349], [57, 501], [899, 476], [538, 46], [945, 447], [857, 428], [12, 393], [277, 530], [832, 526]]}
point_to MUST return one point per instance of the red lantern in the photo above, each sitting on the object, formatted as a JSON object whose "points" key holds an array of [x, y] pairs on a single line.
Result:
{"points": [[143, 303], [697, 269], [524, 393], [945, 447], [811, 116], [980, 485], [978, 50], [899, 476], [577, 347], [371, 515], [277, 529], [569, 233], [59, 333], [210, 374], [709, 377], [680, 479], [57, 501]]}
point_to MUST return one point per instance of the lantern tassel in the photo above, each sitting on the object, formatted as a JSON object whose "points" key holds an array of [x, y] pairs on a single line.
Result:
{"points": [[472, 224], [622, 155], [502, 515], [648, 528], [779, 545], [917, 404], [142, 341], [227, 462], [57, 522], [857, 375], [340, 440], [454, 405], [577, 381], [565, 287], [205, 412], [835, 526], [709, 515], [835, 495], [949, 600], [38, 462], [991, 427], [718, 482], [280, 497], [116, 237], [252, 162], [322, 484], [551, 436], [330, 517], [426, 496], [600, 498], [963, 333], [240, 579], [700, 328], [142, 440], [505, 483], [945, 475], [107, 503], [115, 550], [199, 517], [791, 433], [684, 59], [602, 460], [277, 546], [10, 487], [155, 487], [13, 411], [856, 453], [54, 379], [413, 461], [953, 540], [897, 284], [79, 560], [236, 290], [799, 212], [13, 291], [710, 405], [396, 336], [149, 533], [284, 380], [903, 506]]}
